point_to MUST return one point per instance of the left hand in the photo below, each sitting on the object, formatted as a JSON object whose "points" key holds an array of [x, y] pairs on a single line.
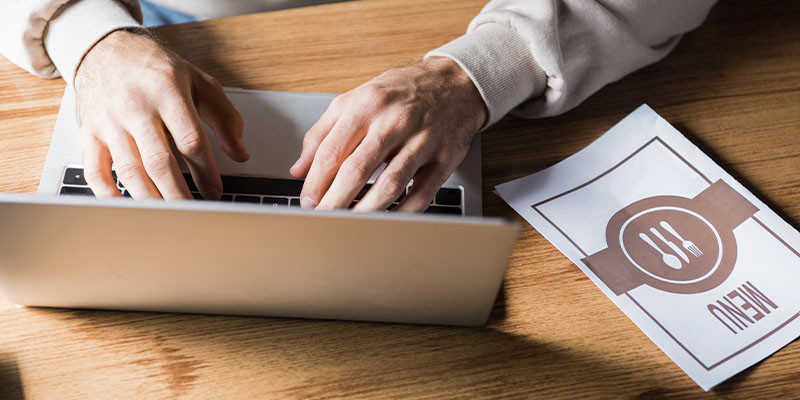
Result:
{"points": [[419, 119]]}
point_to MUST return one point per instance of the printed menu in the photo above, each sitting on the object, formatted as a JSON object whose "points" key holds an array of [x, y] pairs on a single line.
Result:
{"points": [[706, 270]]}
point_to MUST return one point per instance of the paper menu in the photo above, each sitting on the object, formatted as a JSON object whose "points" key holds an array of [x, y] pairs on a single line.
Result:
{"points": [[696, 261]]}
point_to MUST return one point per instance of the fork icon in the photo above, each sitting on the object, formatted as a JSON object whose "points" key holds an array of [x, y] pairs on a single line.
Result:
{"points": [[687, 244]]}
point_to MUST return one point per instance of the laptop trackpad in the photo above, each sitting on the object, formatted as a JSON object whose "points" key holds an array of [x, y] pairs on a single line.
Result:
{"points": [[274, 126]]}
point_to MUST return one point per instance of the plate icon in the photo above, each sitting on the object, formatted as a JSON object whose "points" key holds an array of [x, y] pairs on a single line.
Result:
{"points": [[673, 243]]}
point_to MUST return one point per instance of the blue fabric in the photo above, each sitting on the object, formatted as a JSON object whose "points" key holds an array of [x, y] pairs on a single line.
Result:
{"points": [[155, 15]]}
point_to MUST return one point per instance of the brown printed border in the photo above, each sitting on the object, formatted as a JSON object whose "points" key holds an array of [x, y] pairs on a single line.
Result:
{"points": [[626, 159]]}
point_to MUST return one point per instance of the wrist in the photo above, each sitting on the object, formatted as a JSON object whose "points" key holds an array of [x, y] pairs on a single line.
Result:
{"points": [[79, 25], [461, 88], [107, 50]]}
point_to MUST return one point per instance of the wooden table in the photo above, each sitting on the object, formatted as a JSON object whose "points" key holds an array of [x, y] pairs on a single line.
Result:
{"points": [[733, 87]]}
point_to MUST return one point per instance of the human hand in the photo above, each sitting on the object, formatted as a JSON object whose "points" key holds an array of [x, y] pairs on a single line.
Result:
{"points": [[419, 119], [133, 95]]}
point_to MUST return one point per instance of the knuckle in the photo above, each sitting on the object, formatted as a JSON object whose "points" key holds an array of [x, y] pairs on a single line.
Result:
{"points": [[165, 79], [133, 100], [128, 170], [338, 101], [206, 78], [214, 83], [328, 154], [172, 92], [190, 143], [158, 163], [405, 166], [168, 80], [442, 155], [143, 125], [356, 169], [166, 72], [393, 185], [374, 96], [403, 119], [377, 143], [458, 142], [310, 140]]}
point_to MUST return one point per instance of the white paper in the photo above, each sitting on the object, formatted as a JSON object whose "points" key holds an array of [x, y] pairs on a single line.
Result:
{"points": [[697, 262]]}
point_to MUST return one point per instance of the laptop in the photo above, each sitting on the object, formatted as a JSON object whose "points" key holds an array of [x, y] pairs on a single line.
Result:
{"points": [[254, 252]]}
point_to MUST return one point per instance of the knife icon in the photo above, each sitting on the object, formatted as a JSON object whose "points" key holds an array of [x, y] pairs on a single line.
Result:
{"points": [[671, 245]]}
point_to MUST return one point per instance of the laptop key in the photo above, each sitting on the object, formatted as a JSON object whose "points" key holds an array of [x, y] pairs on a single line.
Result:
{"points": [[363, 191], [275, 201], [448, 197], [75, 191], [74, 176], [443, 210], [246, 199], [253, 189], [190, 183], [262, 186]]}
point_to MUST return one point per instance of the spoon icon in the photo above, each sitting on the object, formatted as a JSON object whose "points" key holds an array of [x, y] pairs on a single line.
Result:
{"points": [[670, 260]]}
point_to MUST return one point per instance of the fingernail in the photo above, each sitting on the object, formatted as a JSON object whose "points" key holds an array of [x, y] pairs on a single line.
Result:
{"points": [[244, 148], [294, 166], [307, 202]]}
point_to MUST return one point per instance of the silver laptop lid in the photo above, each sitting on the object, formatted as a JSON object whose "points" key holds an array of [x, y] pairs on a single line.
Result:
{"points": [[214, 257]]}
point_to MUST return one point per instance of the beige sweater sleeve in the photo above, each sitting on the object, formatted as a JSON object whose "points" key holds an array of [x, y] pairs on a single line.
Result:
{"points": [[49, 38], [543, 57]]}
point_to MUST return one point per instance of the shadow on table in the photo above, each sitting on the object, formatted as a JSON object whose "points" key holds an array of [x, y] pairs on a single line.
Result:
{"points": [[338, 358], [10, 381], [729, 387]]}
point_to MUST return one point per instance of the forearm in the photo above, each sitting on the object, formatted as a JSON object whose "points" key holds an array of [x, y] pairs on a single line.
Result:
{"points": [[48, 38], [544, 57]]}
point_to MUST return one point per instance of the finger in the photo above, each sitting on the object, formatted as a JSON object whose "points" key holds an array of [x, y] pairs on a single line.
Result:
{"points": [[130, 170], [394, 179], [313, 138], [357, 169], [183, 124], [158, 160], [337, 146], [97, 168], [221, 116], [427, 182]]}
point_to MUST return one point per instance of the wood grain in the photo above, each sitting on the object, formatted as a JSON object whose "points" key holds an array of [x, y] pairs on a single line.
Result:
{"points": [[732, 86]]}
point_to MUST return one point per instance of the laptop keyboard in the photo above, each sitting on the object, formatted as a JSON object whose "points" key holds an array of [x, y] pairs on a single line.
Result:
{"points": [[273, 192]]}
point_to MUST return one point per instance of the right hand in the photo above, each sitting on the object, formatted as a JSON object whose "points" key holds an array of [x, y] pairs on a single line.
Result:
{"points": [[133, 95]]}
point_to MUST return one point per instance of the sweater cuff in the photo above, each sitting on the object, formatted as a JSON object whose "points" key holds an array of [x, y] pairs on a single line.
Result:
{"points": [[78, 26], [500, 64]]}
